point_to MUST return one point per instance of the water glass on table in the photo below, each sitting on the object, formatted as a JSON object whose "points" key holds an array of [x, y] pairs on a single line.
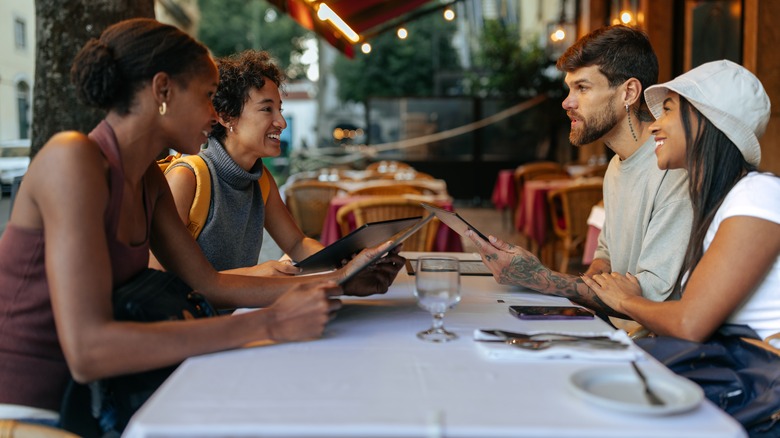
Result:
{"points": [[437, 289]]}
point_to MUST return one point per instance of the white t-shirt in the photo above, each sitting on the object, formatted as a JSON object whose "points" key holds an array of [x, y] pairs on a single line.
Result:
{"points": [[755, 195]]}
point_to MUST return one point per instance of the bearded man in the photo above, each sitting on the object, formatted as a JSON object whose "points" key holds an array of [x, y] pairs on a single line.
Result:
{"points": [[648, 211]]}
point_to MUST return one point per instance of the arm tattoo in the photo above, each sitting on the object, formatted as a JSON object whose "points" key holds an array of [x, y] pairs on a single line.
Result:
{"points": [[530, 273]]}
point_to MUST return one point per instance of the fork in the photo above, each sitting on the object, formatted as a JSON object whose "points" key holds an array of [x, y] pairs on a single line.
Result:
{"points": [[555, 336], [530, 344], [652, 397]]}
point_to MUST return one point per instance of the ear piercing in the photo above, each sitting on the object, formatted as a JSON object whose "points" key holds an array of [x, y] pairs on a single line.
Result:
{"points": [[163, 108]]}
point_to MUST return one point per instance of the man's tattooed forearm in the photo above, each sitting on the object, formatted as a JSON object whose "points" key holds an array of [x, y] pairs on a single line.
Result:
{"points": [[530, 273]]}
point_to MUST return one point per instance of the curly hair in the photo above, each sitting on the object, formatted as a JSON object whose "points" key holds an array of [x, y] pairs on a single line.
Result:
{"points": [[107, 72], [238, 74]]}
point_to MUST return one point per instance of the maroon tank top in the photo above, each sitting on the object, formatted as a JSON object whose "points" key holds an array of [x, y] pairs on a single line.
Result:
{"points": [[33, 371]]}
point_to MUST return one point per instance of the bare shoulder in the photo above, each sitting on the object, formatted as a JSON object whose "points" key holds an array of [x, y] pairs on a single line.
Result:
{"points": [[68, 174]]}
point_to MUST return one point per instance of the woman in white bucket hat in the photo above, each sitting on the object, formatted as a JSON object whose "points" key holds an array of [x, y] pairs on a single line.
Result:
{"points": [[708, 122]]}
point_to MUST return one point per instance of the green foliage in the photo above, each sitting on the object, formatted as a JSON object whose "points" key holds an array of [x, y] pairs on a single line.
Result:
{"points": [[398, 67], [510, 69], [231, 26]]}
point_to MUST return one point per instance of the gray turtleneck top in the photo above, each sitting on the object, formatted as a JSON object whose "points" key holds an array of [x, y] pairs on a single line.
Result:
{"points": [[233, 233]]}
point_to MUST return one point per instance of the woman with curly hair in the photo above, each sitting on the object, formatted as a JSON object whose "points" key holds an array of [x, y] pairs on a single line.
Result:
{"points": [[249, 123]]}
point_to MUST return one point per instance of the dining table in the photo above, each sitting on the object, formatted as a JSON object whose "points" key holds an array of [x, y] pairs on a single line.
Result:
{"points": [[446, 238], [370, 376]]}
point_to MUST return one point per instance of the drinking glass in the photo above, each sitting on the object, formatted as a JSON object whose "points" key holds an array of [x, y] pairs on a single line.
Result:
{"points": [[437, 288]]}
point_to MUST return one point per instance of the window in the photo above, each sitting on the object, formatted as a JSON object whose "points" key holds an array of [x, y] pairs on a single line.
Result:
{"points": [[20, 33], [23, 108]]}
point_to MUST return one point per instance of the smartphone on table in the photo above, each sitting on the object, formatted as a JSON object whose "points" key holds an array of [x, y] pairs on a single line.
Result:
{"points": [[550, 312]]}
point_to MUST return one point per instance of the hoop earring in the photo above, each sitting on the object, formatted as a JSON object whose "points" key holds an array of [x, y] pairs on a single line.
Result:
{"points": [[163, 108], [630, 125]]}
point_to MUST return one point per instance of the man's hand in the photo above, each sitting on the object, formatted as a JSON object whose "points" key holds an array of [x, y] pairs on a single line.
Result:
{"points": [[506, 261], [599, 266]]}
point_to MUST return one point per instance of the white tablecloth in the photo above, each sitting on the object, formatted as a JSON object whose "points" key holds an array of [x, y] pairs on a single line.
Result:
{"points": [[370, 376]]}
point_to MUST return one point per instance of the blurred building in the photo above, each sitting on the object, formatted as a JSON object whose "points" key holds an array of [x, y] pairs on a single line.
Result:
{"points": [[17, 68]]}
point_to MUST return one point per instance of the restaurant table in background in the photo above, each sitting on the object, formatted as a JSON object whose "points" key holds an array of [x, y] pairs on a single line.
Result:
{"points": [[435, 186], [504, 196], [533, 211], [446, 238], [595, 224], [369, 376]]}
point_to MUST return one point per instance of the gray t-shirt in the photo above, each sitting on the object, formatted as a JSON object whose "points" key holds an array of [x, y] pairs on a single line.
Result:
{"points": [[648, 221]]}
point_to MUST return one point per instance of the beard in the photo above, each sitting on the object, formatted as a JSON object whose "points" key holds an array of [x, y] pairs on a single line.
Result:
{"points": [[595, 127]]}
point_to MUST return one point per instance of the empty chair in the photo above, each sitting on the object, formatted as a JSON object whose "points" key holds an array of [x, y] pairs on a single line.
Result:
{"points": [[386, 208], [308, 203], [547, 170], [569, 210]]}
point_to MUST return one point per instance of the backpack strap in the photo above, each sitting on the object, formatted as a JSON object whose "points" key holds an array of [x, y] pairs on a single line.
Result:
{"points": [[199, 211], [165, 162], [265, 184]]}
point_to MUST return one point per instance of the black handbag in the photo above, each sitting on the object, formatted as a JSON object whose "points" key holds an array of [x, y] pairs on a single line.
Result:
{"points": [[739, 377], [107, 405]]}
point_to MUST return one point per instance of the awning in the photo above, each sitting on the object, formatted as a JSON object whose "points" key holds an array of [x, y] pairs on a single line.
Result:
{"points": [[360, 15]]}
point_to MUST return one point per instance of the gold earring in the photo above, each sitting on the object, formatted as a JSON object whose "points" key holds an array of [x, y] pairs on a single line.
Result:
{"points": [[163, 108]]}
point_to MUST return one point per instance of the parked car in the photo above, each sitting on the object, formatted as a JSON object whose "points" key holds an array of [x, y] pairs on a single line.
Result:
{"points": [[14, 159]]}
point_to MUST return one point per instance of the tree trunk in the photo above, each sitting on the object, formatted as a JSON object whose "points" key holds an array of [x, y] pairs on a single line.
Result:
{"points": [[62, 28]]}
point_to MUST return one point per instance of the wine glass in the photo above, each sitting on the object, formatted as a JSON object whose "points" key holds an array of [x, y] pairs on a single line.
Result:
{"points": [[437, 282]]}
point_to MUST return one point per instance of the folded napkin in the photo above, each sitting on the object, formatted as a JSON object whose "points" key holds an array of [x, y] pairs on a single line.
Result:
{"points": [[502, 351]]}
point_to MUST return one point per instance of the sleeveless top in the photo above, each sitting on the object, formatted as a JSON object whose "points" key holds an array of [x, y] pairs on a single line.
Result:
{"points": [[233, 233], [33, 371]]}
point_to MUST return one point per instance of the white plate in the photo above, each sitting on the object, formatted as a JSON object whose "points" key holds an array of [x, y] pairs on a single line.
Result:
{"points": [[618, 387]]}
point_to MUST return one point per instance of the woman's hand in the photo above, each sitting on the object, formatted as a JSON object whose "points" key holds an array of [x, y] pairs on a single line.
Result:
{"points": [[614, 288], [272, 268], [302, 312], [375, 278]]}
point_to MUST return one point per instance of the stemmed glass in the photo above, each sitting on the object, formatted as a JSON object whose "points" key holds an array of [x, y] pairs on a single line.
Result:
{"points": [[437, 282]]}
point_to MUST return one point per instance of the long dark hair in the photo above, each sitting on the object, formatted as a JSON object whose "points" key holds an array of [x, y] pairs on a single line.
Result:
{"points": [[715, 165]]}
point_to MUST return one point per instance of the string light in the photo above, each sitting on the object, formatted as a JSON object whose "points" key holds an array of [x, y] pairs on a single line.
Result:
{"points": [[324, 12], [449, 14], [365, 48], [402, 33], [626, 17], [558, 35]]}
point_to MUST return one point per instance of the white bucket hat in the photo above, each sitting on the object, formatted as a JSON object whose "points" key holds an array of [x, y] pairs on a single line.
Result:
{"points": [[727, 94]]}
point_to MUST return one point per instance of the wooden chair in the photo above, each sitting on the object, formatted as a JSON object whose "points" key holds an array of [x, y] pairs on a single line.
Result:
{"points": [[387, 190], [598, 170], [530, 171], [18, 429], [569, 210], [308, 203], [386, 208]]}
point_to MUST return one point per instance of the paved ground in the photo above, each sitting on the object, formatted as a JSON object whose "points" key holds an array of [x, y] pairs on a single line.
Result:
{"points": [[5, 211]]}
